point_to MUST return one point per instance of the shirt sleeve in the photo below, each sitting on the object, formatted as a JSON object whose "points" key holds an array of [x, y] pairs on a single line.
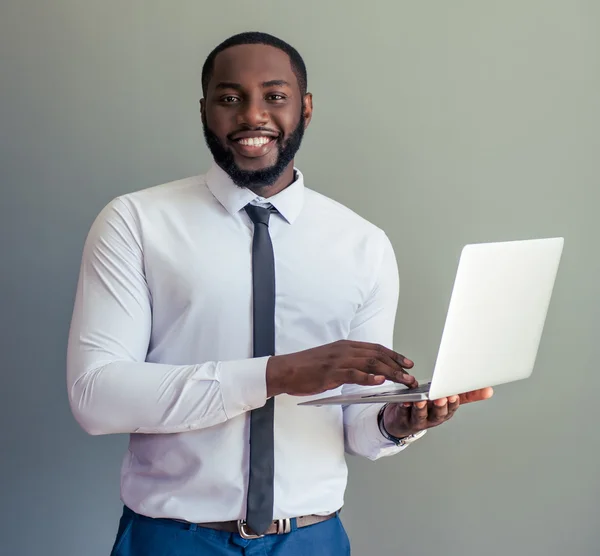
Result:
{"points": [[374, 322], [111, 387]]}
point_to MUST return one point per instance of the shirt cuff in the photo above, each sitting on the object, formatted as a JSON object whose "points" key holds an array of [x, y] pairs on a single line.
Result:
{"points": [[380, 445], [243, 385], [377, 445]]}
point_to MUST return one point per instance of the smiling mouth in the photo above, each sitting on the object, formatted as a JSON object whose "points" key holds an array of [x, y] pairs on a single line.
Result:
{"points": [[254, 141], [253, 147]]}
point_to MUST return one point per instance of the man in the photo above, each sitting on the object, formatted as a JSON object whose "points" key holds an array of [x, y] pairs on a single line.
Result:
{"points": [[206, 307]]}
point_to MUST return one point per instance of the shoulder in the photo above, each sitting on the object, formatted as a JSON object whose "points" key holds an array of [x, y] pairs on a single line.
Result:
{"points": [[356, 241], [131, 212], [168, 194], [164, 198], [341, 218]]}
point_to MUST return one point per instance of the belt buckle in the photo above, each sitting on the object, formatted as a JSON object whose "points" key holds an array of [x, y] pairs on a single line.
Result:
{"points": [[243, 530], [284, 526]]}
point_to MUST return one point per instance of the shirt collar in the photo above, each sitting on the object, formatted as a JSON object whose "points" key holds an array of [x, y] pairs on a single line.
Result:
{"points": [[288, 202]]}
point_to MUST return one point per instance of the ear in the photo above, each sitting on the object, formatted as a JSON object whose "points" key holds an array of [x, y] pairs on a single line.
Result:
{"points": [[202, 108], [307, 108]]}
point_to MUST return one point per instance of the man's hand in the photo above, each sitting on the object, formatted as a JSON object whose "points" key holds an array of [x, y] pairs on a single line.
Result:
{"points": [[404, 419], [326, 367]]}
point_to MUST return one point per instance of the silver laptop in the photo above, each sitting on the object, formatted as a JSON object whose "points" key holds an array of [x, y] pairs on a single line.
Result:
{"points": [[493, 326]]}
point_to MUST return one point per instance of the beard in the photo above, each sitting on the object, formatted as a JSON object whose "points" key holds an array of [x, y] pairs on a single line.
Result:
{"points": [[255, 178]]}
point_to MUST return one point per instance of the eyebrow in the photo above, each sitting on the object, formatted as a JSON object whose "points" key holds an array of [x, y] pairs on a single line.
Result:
{"points": [[228, 85], [238, 86], [276, 83]]}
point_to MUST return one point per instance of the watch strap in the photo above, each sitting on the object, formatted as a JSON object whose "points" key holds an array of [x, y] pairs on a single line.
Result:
{"points": [[402, 441]]}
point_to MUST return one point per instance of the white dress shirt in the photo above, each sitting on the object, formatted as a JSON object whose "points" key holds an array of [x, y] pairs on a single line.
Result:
{"points": [[160, 345]]}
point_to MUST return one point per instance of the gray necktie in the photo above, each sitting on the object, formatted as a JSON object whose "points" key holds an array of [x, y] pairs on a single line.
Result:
{"points": [[259, 514]]}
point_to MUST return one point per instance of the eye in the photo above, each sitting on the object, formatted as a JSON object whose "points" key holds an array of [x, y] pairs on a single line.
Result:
{"points": [[276, 97], [229, 99]]}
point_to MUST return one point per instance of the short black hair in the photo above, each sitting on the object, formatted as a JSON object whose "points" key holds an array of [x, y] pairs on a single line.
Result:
{"points": [[254, 37]]}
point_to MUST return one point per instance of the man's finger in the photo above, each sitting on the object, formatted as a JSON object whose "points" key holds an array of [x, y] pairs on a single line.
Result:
{"points": [[453, 405], [397, 357], [476, 395], [376, 366], [356, 376], [438, 411], [418, 415], [400, 373]]}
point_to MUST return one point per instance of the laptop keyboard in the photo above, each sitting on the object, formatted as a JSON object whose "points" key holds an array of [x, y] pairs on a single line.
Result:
{"points": [[419, 389], [422, 388]]}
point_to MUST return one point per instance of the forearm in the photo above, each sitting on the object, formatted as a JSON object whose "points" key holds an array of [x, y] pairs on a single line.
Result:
{"points": [[130, 397]]}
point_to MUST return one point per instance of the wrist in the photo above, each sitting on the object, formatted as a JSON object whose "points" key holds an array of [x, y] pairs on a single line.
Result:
{"points": [[403, 440], [383, 429], [276, 374]]}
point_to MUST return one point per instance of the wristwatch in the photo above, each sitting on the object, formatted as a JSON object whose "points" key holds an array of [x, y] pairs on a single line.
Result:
{"points": [[405, 440]]}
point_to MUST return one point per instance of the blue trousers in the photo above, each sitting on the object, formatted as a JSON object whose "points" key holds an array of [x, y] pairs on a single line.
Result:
{"points": [[144, 536]]}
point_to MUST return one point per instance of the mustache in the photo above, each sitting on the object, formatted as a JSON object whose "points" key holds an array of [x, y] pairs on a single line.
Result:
{"points": [[287, 146]]}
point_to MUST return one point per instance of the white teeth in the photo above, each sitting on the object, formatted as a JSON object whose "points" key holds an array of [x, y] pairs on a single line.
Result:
{"points": [[254, 141]]}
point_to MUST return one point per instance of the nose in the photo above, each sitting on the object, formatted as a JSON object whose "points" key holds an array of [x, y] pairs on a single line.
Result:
{"points": [[253, 114]]}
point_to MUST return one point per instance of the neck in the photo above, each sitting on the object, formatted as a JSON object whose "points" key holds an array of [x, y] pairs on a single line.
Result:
{"points": [[286, 179]]}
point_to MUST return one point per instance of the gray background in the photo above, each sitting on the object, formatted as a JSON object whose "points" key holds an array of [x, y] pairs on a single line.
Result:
{"points": [[444, 122]]}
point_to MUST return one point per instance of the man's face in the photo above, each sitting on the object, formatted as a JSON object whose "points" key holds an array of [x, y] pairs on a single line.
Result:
{"points": [[254, 115]]}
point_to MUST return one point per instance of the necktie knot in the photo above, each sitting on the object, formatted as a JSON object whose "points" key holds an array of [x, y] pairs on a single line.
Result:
{"points": [[258, 215]]}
